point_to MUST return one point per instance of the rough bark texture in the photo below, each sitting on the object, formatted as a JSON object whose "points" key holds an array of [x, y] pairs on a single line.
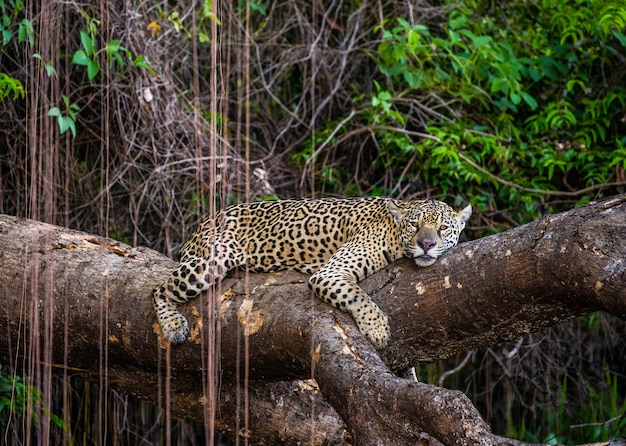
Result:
{"points": [[88, 297]]}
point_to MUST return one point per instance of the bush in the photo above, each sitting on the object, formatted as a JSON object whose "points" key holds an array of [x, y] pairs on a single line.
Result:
{"points": [[519, 113]]}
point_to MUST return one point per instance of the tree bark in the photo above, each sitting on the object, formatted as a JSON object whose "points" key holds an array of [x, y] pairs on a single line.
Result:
{"points": [[84, 303]]}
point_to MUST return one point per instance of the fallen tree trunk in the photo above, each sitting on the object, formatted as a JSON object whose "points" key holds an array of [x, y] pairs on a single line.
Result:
{"points": [[85, 300]]}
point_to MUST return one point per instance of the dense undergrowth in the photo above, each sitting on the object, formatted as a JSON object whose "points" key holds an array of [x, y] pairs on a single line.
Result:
{"points": [[518, 110], [135, 118]]}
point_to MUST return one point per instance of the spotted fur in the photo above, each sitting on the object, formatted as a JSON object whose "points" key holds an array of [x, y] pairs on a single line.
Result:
{"points": [[338, 241]]}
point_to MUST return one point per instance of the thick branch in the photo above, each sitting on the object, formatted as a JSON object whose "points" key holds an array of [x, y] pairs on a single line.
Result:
{"points": [[508, 285], [481, 293]]}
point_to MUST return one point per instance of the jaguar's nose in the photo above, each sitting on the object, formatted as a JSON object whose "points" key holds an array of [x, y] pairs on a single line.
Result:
{"points": [[426, 244]]}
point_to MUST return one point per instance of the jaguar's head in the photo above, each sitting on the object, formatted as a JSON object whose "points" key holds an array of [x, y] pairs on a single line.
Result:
{"points": [[428, 228]]}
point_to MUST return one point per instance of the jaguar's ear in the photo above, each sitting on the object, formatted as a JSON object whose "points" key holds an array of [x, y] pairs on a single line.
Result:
{"points": [[397, 211], [465, 213]]}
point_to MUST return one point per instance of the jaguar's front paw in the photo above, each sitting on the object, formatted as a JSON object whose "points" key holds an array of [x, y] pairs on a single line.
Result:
{"points": [[373, 323], [175, 328], [378, 335]]}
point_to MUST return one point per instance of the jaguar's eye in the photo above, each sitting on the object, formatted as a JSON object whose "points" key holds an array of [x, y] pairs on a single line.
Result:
{"points": [[443, 227], [415, 226]]}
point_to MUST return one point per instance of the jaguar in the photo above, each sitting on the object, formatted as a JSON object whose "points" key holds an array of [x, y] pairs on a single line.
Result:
{"points": [[337, 241]]}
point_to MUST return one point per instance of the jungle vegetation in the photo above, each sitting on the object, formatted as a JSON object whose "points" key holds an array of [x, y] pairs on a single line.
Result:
{"points": [[131, 119]]}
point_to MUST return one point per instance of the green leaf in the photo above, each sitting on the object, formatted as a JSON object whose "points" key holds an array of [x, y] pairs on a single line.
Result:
{"points": [[72, 126], [140, 62], [530, 101], [535, 74], [26, 31], [54, 111], [114, 46], [457, 21], [481, 41], [258, 7], [203, 37], [10, 85], [414, 79], [66, 123], [50, 70], [80, 58], [6, 36], [63, 124], [403, 22], [118, 58], [498, 84], [621, 37], [93, 67], [87, 42]]}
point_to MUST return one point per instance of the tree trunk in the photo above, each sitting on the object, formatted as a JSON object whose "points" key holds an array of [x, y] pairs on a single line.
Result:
{"points": [[86, 299]]}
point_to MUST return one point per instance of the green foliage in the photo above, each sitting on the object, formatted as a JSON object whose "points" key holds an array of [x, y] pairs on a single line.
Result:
{"points": [[19, 398], [468, 66], [48, 67], [68, 120], [16, 396], [602, 418], [10, 10], [205, 19], [10, 86], [88, 56], [520, 107], [115, 52]]}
